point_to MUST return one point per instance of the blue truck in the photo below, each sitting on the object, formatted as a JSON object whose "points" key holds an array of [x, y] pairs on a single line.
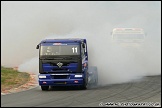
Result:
{"points": [[64, 62]]}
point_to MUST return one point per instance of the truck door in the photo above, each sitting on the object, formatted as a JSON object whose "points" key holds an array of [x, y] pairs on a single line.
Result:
{"points": [[84, 62]]}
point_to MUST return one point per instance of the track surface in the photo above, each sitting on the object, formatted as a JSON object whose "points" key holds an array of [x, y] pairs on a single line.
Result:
{"points": [[147, 90]]}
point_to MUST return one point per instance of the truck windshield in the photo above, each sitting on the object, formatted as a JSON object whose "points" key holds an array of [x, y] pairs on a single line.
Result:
{"points": [[62, 49]]}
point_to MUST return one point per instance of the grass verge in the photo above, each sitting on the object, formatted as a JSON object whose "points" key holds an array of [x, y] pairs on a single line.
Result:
{"points": [[12, 78]]}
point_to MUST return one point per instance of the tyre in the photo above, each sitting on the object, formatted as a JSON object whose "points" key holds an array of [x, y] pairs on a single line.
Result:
{"points": [[44, 88], [84, 86]]}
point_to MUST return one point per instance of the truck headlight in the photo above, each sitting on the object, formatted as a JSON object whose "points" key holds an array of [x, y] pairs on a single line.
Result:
{"points": [[42, 76], [78, 75]]}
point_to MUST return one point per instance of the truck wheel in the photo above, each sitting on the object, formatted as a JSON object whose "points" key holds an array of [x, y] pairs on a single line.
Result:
{"points": [[44, 88], [84, 86]]}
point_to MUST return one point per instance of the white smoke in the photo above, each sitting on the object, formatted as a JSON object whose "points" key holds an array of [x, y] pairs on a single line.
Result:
{"points": [[25, 24], [31, 65]]}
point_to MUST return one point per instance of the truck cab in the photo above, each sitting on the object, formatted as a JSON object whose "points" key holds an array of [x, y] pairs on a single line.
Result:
{"points": [[63, 62]]}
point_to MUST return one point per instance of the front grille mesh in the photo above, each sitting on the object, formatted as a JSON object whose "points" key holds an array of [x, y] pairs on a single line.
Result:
{"points": [[59, 76]]}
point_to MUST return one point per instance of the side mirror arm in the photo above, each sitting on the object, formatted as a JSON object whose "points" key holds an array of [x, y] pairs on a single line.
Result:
{"points": [[37, 47]]}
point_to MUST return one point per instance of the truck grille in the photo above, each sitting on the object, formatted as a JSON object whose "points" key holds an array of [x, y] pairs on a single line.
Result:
{"points": [[59, 76]]}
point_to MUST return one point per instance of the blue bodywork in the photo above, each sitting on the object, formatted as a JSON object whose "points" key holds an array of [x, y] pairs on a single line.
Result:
{"points": [[63, 70]]}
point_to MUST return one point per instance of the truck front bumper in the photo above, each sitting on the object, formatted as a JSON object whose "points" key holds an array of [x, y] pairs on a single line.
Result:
{"points": [[71, 80]]}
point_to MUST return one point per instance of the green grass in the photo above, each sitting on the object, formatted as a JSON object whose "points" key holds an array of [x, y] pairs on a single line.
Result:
{"points": [[11, 78]]}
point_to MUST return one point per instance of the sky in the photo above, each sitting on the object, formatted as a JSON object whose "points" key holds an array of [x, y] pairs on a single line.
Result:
{"points": [[25, 23]]}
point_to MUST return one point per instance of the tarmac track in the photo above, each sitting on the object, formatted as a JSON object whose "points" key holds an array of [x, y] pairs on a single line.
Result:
{"points": [[147, 90]]}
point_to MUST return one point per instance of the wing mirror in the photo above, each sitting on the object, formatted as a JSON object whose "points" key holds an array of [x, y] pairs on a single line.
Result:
{"points": [[37, 47], [83, 45]]}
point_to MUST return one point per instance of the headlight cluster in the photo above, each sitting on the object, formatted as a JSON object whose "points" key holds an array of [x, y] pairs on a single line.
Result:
{"points": [[42, 76], [78, 75]]}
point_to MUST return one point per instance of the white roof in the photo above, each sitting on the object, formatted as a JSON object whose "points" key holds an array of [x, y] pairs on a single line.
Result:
{"points": [[128, 30]]}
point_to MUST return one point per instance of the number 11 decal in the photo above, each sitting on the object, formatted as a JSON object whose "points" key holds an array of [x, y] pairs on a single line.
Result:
{"points": [[74, 50]]}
